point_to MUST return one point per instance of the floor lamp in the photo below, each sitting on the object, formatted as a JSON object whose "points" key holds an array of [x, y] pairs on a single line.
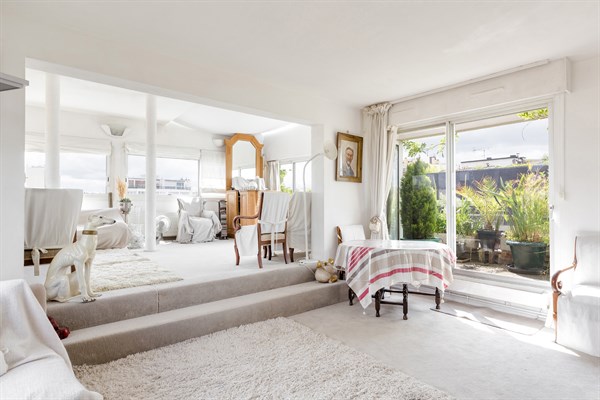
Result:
{"points": [[329, 151]]}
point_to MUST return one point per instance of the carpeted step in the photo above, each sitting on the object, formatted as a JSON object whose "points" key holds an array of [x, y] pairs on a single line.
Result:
{"points": [[117, 305], [115, 340]]}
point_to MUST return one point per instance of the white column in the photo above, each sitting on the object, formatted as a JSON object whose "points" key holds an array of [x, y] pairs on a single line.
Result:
{"points": [[150, 172], [117, 166], [52, 167]]}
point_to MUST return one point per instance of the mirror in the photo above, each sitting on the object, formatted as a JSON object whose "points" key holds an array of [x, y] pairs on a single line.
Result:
{"points": [[243, 160], [243, 154]]}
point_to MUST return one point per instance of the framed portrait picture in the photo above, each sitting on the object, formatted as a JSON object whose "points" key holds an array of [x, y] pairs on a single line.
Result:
{"points": [[349, 159]]}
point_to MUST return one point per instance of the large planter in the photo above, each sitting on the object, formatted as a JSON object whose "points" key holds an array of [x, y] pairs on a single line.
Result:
{"points": [[489, 239], [528, 258]]}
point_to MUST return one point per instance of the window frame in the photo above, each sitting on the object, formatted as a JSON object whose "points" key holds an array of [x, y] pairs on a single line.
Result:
{"points": [[556, 162]]}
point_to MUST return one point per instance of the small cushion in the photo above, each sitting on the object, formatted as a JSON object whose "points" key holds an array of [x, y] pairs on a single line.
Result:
{"points": [[267, 236], [194, 207], [352, 232]]}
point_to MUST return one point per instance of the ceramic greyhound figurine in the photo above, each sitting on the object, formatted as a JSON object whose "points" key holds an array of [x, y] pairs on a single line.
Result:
{"points": [[61, 285]]}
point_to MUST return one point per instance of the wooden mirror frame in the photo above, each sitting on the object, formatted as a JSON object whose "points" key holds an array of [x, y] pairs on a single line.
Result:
{"points": [[229, 155]]}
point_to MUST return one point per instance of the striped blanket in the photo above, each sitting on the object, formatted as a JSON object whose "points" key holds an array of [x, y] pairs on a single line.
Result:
{"points": [[373, 266]]}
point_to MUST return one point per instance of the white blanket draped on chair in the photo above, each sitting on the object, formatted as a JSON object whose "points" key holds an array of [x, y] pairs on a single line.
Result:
{"points": [[50, 219], [273, 218], [37, 363]]}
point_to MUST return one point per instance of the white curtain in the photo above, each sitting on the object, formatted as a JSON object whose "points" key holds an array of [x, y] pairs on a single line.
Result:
{"points": [[162, 151], [212, 170], [382, 140], [272, 176], [69, 144]]}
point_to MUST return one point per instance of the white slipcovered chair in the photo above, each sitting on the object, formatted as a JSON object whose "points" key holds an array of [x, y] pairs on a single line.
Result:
{"points": [[350, 232], [295, 227], [270, 229], [576, 300], [51, 217], [196, 225]]}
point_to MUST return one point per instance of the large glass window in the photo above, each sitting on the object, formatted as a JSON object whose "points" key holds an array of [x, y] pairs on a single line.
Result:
{"points": [[419, 195], [286, 177], [173, 175], [77, 170], [291, 176], [501, 193]]}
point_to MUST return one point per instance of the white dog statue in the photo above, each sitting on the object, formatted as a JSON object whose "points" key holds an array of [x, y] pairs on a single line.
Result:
{"points": [[61, 285]]}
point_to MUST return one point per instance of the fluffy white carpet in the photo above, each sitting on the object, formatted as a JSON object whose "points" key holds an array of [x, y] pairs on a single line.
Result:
{"points": [[123, 268], [274, 359]]}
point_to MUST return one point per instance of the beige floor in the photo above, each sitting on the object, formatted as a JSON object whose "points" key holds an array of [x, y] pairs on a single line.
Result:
{"points": [[211, 260], [465, 359]]}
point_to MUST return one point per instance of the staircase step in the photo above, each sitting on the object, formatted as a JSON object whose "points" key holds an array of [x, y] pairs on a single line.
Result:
{"points": [[117, 305], [111, 341]]}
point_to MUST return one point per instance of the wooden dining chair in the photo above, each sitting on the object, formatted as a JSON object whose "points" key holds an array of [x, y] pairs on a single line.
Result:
{"points": [[270, 229]]}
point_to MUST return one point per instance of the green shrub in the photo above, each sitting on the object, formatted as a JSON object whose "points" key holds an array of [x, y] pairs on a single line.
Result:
{"points": [[418, 208]]}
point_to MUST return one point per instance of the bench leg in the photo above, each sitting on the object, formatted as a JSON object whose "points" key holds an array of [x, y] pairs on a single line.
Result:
{"points": [[405, 301], [378, 302]]}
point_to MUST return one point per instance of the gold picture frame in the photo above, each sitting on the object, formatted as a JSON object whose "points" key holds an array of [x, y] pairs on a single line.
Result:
{"points": [[349, 160]]}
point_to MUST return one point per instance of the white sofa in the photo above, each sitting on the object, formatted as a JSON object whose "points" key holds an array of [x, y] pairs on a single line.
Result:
{"points": [[115, 236], [36, 364]]}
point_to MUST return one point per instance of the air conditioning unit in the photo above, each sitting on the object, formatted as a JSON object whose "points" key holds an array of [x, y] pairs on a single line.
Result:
{"points": [[8, 82]]}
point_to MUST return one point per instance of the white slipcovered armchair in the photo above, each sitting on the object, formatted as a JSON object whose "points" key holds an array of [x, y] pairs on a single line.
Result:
{"points": [[196, 225], [576, 300]]}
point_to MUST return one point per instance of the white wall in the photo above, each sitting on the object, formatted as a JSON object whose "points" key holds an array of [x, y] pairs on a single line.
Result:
{"points": [[12, 179], [116, 63], [289, 144], [579, 212]]}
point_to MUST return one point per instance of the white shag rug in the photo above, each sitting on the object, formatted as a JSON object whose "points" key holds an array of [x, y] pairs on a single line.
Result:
{"points": [[274, 359], [123, 268]]}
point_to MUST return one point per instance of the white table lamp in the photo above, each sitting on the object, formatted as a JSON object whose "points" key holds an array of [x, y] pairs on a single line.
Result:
{"points": [[329, 151]]}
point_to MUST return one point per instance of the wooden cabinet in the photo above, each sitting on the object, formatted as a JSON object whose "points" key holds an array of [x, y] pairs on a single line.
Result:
{"points": [[241, 203], [231, 196]]}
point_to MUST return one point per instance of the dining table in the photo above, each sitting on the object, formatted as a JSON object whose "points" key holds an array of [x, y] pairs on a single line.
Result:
{"points": [[372, 266]]}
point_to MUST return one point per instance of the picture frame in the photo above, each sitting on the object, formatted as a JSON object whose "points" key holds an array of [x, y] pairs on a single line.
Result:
{"points": [[349, 159]]}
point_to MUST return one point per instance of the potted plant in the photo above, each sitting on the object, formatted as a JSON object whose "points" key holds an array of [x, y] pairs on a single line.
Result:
{"points": [[482, 197], [125, 203], [466, 228], [525, 201], [418, 207]]}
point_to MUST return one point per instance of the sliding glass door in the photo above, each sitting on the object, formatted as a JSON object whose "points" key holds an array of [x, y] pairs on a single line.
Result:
{"points": [[501, 167]]}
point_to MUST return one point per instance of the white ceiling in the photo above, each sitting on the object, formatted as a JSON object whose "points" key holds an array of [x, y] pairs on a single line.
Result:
{"points": [[357, 52], [96, 98]]}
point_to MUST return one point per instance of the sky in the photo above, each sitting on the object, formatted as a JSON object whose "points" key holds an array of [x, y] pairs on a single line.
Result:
{"points": [[529, 139]]}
